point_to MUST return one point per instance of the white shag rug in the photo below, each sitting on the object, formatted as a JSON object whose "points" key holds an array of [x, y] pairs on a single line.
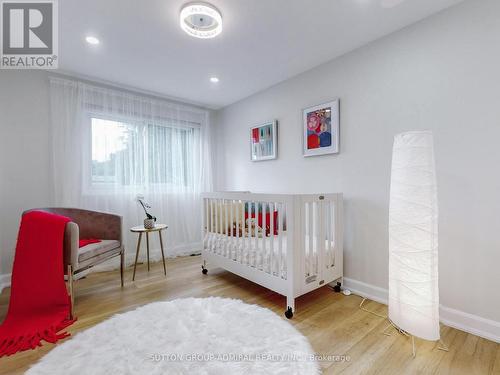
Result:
{"points": [[185, 336]]}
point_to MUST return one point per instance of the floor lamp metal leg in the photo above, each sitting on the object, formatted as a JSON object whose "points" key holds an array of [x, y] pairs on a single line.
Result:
{"points": [[413, 345], [443, 346], [385, 330]]}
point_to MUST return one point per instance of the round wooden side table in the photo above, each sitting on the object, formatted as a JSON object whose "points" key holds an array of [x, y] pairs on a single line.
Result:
{"points": [[140, 229]]}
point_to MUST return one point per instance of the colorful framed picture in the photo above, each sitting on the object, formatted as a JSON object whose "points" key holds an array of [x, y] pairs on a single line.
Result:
{"points": [[321, 129], [264, 141]]}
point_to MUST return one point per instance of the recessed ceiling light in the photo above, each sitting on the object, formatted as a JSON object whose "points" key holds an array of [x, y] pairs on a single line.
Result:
{"points": [[214, 79], [201, 20], [92, 40]]}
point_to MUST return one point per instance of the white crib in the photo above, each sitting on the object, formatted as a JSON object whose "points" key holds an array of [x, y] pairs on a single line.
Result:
{"points": [[299, 248]]}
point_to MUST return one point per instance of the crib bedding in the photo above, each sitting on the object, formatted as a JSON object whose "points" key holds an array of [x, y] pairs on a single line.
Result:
{"points": [[249, 251]]}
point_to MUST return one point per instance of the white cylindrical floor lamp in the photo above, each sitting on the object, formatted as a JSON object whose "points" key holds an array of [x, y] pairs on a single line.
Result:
{"points": [[413, 236]]}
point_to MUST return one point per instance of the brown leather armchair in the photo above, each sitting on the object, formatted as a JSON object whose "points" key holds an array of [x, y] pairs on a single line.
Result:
{"points": [[87, 224]]}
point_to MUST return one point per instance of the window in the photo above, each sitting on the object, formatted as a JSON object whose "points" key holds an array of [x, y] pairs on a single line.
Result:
{"points": [[142, 154]]}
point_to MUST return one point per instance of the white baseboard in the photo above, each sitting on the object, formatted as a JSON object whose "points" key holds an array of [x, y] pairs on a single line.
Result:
{"points": [[482, 327], [4, 281], [369, 291]]}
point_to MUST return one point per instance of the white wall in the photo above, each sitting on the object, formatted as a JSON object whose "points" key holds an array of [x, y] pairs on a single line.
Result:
{"points": [[441, 74], [24, 153]]}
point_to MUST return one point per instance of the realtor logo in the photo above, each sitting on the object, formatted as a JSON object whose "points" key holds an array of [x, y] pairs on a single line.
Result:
{"points": [[28, 34]]}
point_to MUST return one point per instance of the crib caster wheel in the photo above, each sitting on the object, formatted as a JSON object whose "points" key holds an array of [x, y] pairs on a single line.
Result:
{"points": [[289, 313], [204, 270], [336, 288]]}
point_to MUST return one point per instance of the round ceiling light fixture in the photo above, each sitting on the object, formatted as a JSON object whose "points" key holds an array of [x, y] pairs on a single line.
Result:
{"points": [[201, 20]]}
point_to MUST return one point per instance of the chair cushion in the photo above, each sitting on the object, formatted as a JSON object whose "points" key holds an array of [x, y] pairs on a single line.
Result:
{"points": [[95, 249]]}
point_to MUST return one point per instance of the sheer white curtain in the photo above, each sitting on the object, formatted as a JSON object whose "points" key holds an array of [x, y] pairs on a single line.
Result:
{"points": [[109, 146]]}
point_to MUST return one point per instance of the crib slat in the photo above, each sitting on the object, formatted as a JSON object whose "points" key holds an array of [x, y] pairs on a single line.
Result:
{"points": [[215, 203], [306, 238], [216, 223], [223, 242], [205, 226], [211, 224], [223, 238], [249, 234], [288, 246], [312, 238], [227, 241], [279, 245], [225, 219], [263, 257], [215, 219], [311, 235], [220, 227], [327, 234], [237, 230], [204, 222], [331, 234], [243, 239], [322, 256], [256, 235], [317, 237], [333, 225], [229, 226], [233, 229], [258, 240], [282, 237], [271, 244]]}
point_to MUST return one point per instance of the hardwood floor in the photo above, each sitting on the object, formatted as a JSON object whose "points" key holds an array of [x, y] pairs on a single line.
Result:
{"points": [[333, 322]]}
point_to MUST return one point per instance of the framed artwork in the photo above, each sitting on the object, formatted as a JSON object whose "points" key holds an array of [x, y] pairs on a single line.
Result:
{"points": [[321, 129], [264, 141]]}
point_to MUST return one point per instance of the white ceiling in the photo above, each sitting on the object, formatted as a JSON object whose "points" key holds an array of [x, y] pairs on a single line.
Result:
{"points": [[263, 42]]}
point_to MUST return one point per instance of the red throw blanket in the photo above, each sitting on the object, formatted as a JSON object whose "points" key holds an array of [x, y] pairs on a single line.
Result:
{"points": [[39, 305], [87, 241]]}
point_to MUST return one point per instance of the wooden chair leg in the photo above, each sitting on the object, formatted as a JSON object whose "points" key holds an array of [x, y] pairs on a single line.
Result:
{"points": [[71, 292], [122, 260]]}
